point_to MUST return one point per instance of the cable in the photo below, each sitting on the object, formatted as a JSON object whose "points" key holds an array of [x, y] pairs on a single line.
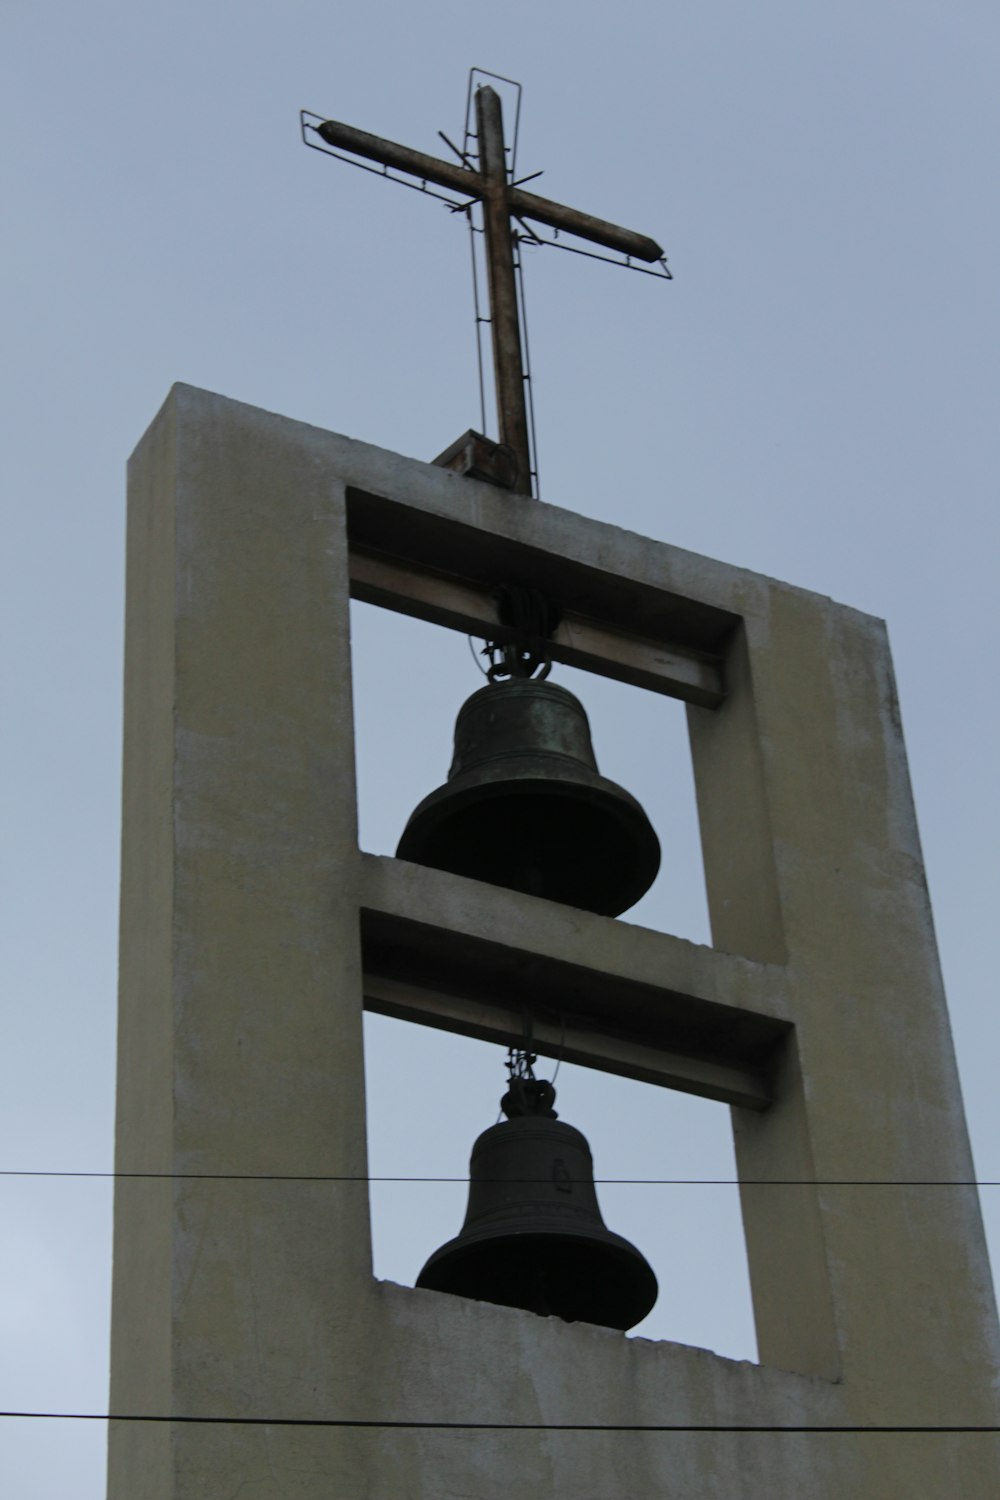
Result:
{"points": [[598, 1181], [734, 1427]]}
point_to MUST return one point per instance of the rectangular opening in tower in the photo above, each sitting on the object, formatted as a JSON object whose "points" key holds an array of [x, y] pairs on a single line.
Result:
{"points": [[410, 679], [670, 1157], [431, 1092]]}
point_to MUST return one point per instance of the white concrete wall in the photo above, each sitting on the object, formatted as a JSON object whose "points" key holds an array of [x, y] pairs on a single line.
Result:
{"points": [[241, 1052]]}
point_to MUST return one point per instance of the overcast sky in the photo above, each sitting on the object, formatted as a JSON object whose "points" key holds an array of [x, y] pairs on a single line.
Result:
{"points": [[813, 397]]}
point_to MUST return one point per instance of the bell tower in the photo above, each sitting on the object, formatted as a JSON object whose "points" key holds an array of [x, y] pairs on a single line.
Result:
{"points": [[255, 931], [253, 1352]]}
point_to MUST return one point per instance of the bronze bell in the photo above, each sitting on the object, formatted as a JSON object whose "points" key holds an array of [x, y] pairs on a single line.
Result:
{"points": [[533, 1235], [525, 807]]}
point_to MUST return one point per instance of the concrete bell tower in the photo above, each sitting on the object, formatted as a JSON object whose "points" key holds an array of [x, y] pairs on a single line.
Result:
{"points": [[254, 933]]}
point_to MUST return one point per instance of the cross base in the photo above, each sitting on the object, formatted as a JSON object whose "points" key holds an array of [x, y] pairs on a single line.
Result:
{"points": [[478, 457]]}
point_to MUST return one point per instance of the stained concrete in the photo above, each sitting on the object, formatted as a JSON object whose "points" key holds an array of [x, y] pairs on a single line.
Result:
{"points": [[240, 1047]]}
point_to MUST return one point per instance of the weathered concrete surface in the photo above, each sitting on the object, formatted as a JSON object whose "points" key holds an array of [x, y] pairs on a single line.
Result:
{"points": [[241, 1053]]}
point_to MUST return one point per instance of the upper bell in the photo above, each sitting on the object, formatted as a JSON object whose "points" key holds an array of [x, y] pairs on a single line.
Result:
{"points": [[525, 807], [533, 1235]]}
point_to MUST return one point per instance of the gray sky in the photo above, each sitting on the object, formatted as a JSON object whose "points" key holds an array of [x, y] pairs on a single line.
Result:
{"points": [[814, 397]]}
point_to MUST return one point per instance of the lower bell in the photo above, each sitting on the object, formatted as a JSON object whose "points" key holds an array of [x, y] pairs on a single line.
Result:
{"points": [[533, 1235], [525, 807]]}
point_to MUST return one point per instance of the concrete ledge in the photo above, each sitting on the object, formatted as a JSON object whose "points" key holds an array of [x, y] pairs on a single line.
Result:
{"points": [[472, 958]]}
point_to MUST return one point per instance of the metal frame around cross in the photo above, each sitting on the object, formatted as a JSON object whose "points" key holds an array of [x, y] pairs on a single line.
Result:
{"points": [[502, 200]]}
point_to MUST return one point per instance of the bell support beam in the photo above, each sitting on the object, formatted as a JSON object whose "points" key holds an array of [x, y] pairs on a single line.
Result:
{"points": [[572, 1043], [442, 563], [467, 957], [577, 642]]}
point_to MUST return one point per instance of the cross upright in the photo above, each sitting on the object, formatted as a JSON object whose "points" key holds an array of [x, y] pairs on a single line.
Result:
{"points": [[502, 200]]}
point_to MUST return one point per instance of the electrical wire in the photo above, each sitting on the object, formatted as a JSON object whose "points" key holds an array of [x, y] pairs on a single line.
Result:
{"points": [[599, 1181], [659, 1427]]}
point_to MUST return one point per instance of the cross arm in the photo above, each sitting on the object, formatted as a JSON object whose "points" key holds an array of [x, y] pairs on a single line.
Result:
{"points": [[598, 231], [464, 180], [429, 168]]}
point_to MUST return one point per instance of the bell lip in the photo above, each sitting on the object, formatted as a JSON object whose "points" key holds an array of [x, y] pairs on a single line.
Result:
{"points": [[615, 1246], [496, 779]]}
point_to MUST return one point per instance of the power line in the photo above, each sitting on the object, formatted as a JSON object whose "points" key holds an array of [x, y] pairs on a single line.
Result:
{"points": [[599, 1181], [351, 1422]]}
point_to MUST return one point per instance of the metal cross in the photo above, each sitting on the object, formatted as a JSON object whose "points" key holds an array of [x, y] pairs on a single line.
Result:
{"points": [[502, 201]]}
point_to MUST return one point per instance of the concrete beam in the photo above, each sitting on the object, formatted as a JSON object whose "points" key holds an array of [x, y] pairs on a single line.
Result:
{"points": [[467, 957], [577, 642]]}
